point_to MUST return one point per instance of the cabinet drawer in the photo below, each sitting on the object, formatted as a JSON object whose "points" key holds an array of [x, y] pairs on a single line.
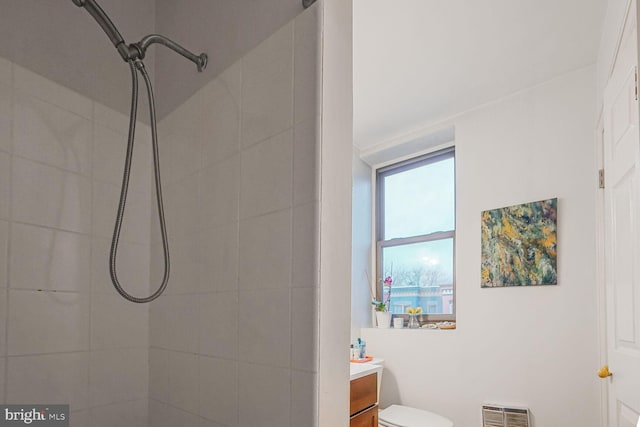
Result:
{"points": [[363, 393], [368, 418]]}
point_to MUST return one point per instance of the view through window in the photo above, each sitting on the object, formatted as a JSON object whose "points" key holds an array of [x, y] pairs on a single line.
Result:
{"points": [[416, 235]]}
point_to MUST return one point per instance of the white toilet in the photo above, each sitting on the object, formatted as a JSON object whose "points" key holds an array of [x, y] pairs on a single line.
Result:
{"points": [[406, 416]]}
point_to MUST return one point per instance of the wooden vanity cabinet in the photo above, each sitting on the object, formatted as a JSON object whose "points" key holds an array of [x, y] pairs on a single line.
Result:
{"points": [[364, 401]]}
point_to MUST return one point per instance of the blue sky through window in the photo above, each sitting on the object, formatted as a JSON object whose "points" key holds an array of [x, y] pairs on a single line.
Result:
{"points": [[420, 200]]}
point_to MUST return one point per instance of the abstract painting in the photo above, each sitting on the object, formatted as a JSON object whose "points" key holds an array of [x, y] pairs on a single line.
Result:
{"points": [[519, 245]]}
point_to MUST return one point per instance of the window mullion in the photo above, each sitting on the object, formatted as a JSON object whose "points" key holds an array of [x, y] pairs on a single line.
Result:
{"points": [[399, 241]]}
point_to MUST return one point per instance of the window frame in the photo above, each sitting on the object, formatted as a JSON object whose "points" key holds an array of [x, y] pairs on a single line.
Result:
{"points": [[399, 167]]}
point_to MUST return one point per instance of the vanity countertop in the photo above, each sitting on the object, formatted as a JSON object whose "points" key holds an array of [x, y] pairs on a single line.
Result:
{"points": [[359, 370]]}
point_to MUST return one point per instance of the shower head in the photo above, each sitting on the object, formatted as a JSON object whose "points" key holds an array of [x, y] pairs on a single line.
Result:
{"points": [[102, 18]]}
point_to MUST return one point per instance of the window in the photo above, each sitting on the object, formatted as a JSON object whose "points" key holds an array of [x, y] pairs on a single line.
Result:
{"points": [[415, 229]]}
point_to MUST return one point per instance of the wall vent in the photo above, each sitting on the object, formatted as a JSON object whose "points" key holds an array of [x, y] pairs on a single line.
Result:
{"points": [[500, 416]]}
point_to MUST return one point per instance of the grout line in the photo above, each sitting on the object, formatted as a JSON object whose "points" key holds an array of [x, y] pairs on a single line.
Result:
{"points": [[5, 365], [241, 149], [92, 243], [292, 217]]}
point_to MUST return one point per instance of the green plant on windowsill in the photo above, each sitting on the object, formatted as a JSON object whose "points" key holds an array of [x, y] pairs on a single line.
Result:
{"points": [[384, 305]]}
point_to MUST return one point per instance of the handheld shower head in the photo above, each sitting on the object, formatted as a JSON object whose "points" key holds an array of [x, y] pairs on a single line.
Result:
{"points": [[103, 20]]}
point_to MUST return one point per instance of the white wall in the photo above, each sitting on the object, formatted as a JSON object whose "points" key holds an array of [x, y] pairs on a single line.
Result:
{"points": [[611, 32], [335, 209], [70, 338], [535, 347], [361, 246]]}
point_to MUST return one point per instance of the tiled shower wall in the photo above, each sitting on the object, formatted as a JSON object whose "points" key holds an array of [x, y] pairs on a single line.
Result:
{"points": [[65, 336], [233, 340]]}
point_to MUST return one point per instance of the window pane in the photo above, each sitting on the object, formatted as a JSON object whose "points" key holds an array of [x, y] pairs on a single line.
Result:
{"points": [[420, 200], [422, 276]]}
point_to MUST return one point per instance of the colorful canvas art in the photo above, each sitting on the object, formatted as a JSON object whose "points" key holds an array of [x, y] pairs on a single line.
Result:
{"points": [[519, 245]]}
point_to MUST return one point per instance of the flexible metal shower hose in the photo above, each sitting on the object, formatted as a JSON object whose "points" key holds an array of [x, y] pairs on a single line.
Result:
{"points": [[136, 66]]}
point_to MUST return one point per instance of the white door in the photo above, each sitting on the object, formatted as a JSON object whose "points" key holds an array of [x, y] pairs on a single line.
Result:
{"points": [[622, 230]]}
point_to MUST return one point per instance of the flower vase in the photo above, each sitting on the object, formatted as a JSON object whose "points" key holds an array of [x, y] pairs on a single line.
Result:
{"points": [[383, 319], [413, 321]]}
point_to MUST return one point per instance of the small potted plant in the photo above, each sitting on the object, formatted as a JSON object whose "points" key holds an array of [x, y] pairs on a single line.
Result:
{"points": [[383, 316]]}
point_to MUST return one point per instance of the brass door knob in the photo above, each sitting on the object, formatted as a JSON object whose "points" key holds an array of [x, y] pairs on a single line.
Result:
{"points": [[604, 372]]}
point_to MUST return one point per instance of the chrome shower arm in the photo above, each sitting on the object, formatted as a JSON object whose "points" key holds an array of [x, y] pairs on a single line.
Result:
{"points": [[136, 50], [142, 46]]}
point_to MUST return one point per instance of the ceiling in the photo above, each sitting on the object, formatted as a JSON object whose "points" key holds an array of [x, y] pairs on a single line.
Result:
{"points": [[417, 62]]}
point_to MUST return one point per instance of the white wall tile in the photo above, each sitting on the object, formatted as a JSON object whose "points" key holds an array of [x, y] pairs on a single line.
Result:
{"points": [[304, 329], [47, 322], [135, 225], [218, 326], [267, 88], [182, 206], [118, 375], [180, 153], [159, 322], [304, 410], [159, 374], [49, 134], [265, 251], [306, 149], [231, 78], [180, 418], [219, 390], [305, 246], [264, 394], [183, 381], [109, 152], [5, 116], [4, 253], [47, 196], [3, 322], [5, 185], [42, 258], [105, 116], [182, 322], [219, 258], [307, 64], [52, 379], [265, 327], [220, 129], [5, 71], [118, 323], [206, 423], [267, 176], [185, 264], [132, 267], [46, 90], [2, 380], [79, 419], [220, 192], [159, 414], [129, 414]]}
